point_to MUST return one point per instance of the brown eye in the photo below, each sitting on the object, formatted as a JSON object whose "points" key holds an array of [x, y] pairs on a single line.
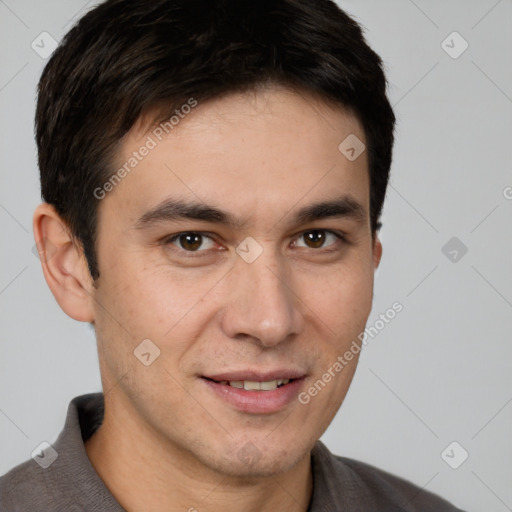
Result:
{"points": [[190, 241], [316, 238]]}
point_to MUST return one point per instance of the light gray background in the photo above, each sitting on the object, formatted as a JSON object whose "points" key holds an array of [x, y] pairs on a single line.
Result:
{"points": [[441, 371]]}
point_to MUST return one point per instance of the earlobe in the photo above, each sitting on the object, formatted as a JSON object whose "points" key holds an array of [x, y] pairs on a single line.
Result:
{"points": [[63, 263], [377, 252]]}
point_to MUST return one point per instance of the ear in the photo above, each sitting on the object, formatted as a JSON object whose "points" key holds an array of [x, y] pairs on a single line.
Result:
{"points": [[377, 251], [64, 265]]}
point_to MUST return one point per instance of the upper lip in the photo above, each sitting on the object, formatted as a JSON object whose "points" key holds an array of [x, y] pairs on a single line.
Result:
{"points": [[257, 375]]}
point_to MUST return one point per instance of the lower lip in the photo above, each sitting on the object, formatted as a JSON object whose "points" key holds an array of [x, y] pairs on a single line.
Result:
{"points": [[257, 402]]}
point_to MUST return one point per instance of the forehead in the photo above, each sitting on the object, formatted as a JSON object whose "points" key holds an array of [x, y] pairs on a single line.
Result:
{"points": [[259, 154]]}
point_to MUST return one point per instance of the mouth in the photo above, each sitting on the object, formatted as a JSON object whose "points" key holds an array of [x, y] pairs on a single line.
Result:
{"points": [[253, 385], [256, 393]]}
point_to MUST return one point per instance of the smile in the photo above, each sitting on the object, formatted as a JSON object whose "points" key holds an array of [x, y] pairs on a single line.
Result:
{"points": [[255, 394], [252, 385]]}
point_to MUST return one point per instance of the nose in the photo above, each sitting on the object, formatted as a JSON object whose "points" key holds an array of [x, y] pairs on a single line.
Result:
{"points": [[262, 304]]}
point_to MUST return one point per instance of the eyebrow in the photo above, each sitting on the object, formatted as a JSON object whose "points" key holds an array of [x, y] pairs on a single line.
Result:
{"points": [[170, 210]]}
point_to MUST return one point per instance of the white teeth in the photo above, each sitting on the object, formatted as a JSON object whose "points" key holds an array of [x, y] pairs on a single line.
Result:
{"points": [[269, 385], [251, 385]]}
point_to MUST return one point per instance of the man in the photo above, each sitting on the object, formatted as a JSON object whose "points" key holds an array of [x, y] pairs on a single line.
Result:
{"points": [[213, 175]]}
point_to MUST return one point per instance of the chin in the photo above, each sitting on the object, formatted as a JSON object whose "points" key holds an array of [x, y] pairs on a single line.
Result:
{"points": [[249, 461]]}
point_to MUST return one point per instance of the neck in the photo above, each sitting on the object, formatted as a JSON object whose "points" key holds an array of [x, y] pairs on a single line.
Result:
{"points": [[144, 472]]}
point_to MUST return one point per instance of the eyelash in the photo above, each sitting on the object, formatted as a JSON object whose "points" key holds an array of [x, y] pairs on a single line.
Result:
{"points": [[199, 253]]}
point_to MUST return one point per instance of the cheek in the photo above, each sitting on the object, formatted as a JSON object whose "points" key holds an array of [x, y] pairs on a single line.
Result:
{"points": [[341, 298], [169, 307], [148, 299]]}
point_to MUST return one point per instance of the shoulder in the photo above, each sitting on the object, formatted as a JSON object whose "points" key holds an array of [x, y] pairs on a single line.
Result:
{"points": [[26, 481], [60, 475], [383, 485], [371, 488]]}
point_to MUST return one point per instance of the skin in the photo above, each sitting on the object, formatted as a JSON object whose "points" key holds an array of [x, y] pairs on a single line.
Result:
{"points": [[168, 442]]}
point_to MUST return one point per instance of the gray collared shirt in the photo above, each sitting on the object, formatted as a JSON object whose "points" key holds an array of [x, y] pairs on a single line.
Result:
{"points": [[70, 484]]}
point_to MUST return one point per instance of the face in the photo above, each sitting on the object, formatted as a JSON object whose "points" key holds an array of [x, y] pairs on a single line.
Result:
{"points": [[250, 296]]}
